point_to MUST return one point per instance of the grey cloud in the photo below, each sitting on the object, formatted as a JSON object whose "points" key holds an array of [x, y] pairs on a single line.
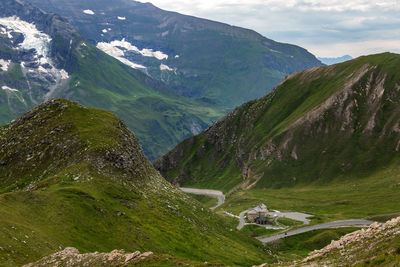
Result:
{"points": [[315, 24]]}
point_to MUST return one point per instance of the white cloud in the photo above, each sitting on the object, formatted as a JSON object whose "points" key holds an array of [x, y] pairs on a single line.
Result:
{"points": [[313, 24]]}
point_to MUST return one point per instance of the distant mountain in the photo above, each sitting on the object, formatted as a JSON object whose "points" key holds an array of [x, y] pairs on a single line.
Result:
{"points": [[76, 176], [318, 126], [334, 60], [198, 58], [43, 57]]}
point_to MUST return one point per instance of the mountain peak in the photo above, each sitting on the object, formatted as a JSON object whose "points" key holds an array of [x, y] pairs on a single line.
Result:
{"points": [[60, 134], [267, 141]]}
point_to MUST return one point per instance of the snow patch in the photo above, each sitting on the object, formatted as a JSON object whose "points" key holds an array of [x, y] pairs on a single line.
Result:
{"points": [[127, 46], [4, 31], [39, 42], [165, 67], [33, 38], [4, 64], [88, 12], [6, 88], [121, 18], [64, 74], [118, 54]]}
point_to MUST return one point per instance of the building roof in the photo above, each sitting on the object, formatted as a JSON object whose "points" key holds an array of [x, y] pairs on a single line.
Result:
{"points": [[260, 208]]}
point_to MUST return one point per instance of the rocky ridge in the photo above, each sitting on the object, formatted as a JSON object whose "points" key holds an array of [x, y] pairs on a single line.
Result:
{"points": [[348, 249], [266, 142], [70, 257]]}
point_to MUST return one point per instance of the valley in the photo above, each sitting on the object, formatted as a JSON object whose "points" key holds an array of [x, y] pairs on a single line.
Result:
{"points": [[136, 136]]}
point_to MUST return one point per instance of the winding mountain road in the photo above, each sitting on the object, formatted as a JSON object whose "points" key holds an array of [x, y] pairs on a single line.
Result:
{"points": [[292, 215], [328, 225], [207, 192]]}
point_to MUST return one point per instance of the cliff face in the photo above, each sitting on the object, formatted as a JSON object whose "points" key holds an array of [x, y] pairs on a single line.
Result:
{"points": [[315, 126]]}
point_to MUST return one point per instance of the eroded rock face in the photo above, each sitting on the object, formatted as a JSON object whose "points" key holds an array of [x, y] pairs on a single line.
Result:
{"points": [[71, 257]]}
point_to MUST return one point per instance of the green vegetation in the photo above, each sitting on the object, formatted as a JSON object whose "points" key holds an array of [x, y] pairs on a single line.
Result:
{"points": [[255, 230], [383, 217], [288, 222], [354, 198], [205, 200], [298, 246], [75, 176]]}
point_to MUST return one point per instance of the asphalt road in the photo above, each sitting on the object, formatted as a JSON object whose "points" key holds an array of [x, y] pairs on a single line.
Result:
{"points": [[207, 192], [241, 220], [328, 225]]}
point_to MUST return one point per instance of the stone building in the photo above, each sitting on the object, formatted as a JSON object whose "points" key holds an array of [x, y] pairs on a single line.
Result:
{"points": [[258, 214]]}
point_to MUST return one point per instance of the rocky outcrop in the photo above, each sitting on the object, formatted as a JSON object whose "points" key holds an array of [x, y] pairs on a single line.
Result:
{"points": [[70, 257], [347, 250], [43, 141]]}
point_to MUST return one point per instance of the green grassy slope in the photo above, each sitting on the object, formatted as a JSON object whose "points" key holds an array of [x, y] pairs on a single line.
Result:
{"points": [[324, 142], [76, 176], [316, 126], [159, 117]]}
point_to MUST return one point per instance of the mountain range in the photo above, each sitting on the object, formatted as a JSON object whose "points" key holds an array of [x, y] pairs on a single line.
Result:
{"points": [[43, 57], [334, 60], [196, 57]]}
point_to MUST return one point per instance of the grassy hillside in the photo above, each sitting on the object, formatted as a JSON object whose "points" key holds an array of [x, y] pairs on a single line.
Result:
{"points": [[316, 126], [72, 176], [325, 141]]}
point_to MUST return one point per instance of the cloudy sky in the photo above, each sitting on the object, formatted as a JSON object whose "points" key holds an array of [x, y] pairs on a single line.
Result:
{"points": [[327, 28]]}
